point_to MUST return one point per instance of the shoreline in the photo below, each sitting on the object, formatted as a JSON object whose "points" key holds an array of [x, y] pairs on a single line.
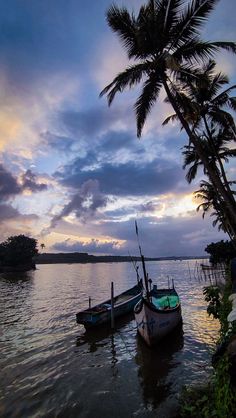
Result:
{"points": [[84, 258]]}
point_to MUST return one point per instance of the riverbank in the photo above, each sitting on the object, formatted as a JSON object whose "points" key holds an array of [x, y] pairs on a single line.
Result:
{"points": [[69, 258], [216, 398]]}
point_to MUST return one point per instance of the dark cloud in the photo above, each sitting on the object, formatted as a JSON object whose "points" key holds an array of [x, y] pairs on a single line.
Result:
{"points": [[29, 182], [188, 235], [96, 121], [84, 203], [131, 178], [8, 184], [8, 212]]}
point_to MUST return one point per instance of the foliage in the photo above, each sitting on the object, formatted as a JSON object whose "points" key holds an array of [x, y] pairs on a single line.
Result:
{"points": [[219, 305], [212, 295], [216, 399], [211, 200], [221, 251], [17, 250]]}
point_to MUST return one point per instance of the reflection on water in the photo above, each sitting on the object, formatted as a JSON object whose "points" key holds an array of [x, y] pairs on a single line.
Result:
{"points": [[50, 366], [155, 364]]}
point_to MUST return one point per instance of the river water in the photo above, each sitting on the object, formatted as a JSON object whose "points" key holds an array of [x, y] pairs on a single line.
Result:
{"points": [[51, 367]]}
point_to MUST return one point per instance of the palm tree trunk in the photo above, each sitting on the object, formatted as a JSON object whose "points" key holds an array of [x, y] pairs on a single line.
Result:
{"points": [[213, 175], [212, 145]]}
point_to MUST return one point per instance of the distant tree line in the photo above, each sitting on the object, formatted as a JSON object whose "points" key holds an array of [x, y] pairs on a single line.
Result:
{"points": [[18, 251]]}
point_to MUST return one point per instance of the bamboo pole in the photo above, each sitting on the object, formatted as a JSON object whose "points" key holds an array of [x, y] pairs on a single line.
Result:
{"points": [[112, 306]]}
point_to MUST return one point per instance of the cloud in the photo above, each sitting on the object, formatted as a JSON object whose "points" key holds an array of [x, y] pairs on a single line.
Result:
{"points": [[8, 212], [8, 184], [29, 182], [93, 246], [130, 178], [84, 204], [186, 235], [12, 222], [170, 236], [59, 143]]}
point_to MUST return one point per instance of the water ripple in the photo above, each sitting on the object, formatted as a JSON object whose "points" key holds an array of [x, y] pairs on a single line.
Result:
{"points": [[51, 367]]}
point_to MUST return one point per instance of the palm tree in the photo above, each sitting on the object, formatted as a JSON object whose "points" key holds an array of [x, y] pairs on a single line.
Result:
{"points": [[205, 109], [220, 152], [164, 44], [210, 200], [207, 192]]}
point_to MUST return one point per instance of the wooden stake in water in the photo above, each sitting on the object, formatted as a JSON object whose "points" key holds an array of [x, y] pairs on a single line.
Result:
{"points": [[112, 306], [90, 302]]}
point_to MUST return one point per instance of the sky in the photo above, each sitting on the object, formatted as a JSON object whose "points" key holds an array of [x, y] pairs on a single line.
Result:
{"points": [[73, 174]]}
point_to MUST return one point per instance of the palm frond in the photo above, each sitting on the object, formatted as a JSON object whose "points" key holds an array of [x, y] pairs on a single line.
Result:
{"points": [[171, 118], [145, 101], [191, 173], [123, 23], [228, 46], [222, 98], [172, 10], [232, 103], [222, 117], [195, 50], [128, 78], [191, 20]]}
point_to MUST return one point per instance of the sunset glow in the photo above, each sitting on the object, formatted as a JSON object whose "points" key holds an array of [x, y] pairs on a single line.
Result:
{"points": [[73, 173]]}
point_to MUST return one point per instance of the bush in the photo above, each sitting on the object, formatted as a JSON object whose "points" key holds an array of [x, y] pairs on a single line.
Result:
{"points": [[17, 250]]}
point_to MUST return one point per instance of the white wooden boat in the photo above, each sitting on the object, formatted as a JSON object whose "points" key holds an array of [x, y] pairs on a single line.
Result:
{"points": [[157, 314], [159, 311]]}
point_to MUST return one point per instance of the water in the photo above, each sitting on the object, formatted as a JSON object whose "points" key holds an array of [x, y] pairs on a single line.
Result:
{"points": [[50, 367]]}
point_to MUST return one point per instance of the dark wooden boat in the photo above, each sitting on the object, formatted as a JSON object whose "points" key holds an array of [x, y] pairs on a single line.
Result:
{"points": [[101, 314]]}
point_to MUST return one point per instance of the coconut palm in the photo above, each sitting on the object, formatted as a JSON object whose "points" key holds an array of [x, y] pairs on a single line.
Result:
{"points": [[164, 44], [205, 109], [220, 138], [211, 201], [203, 102]]}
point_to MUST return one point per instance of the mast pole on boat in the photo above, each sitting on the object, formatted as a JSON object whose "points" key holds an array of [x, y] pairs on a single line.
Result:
{"points": [[143, 262], [112, 306], [135, 268]]}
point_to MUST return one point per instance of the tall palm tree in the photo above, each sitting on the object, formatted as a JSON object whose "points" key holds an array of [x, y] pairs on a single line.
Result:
{"points": [[211, 201], [163, 42], [205, 109], [221, 152]]}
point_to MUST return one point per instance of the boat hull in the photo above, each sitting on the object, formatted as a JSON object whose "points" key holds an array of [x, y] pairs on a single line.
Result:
{"points": [[155, 324], [101, 314]]}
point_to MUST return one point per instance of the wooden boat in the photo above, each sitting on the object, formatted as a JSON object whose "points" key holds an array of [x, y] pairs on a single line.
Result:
{"points": [[159, 311], [101, 313], [157, 314]]}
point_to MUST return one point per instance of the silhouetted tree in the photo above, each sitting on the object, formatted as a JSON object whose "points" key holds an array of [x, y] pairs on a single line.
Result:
{"points": [[221, 252], [17, 250], [164, 45]]}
